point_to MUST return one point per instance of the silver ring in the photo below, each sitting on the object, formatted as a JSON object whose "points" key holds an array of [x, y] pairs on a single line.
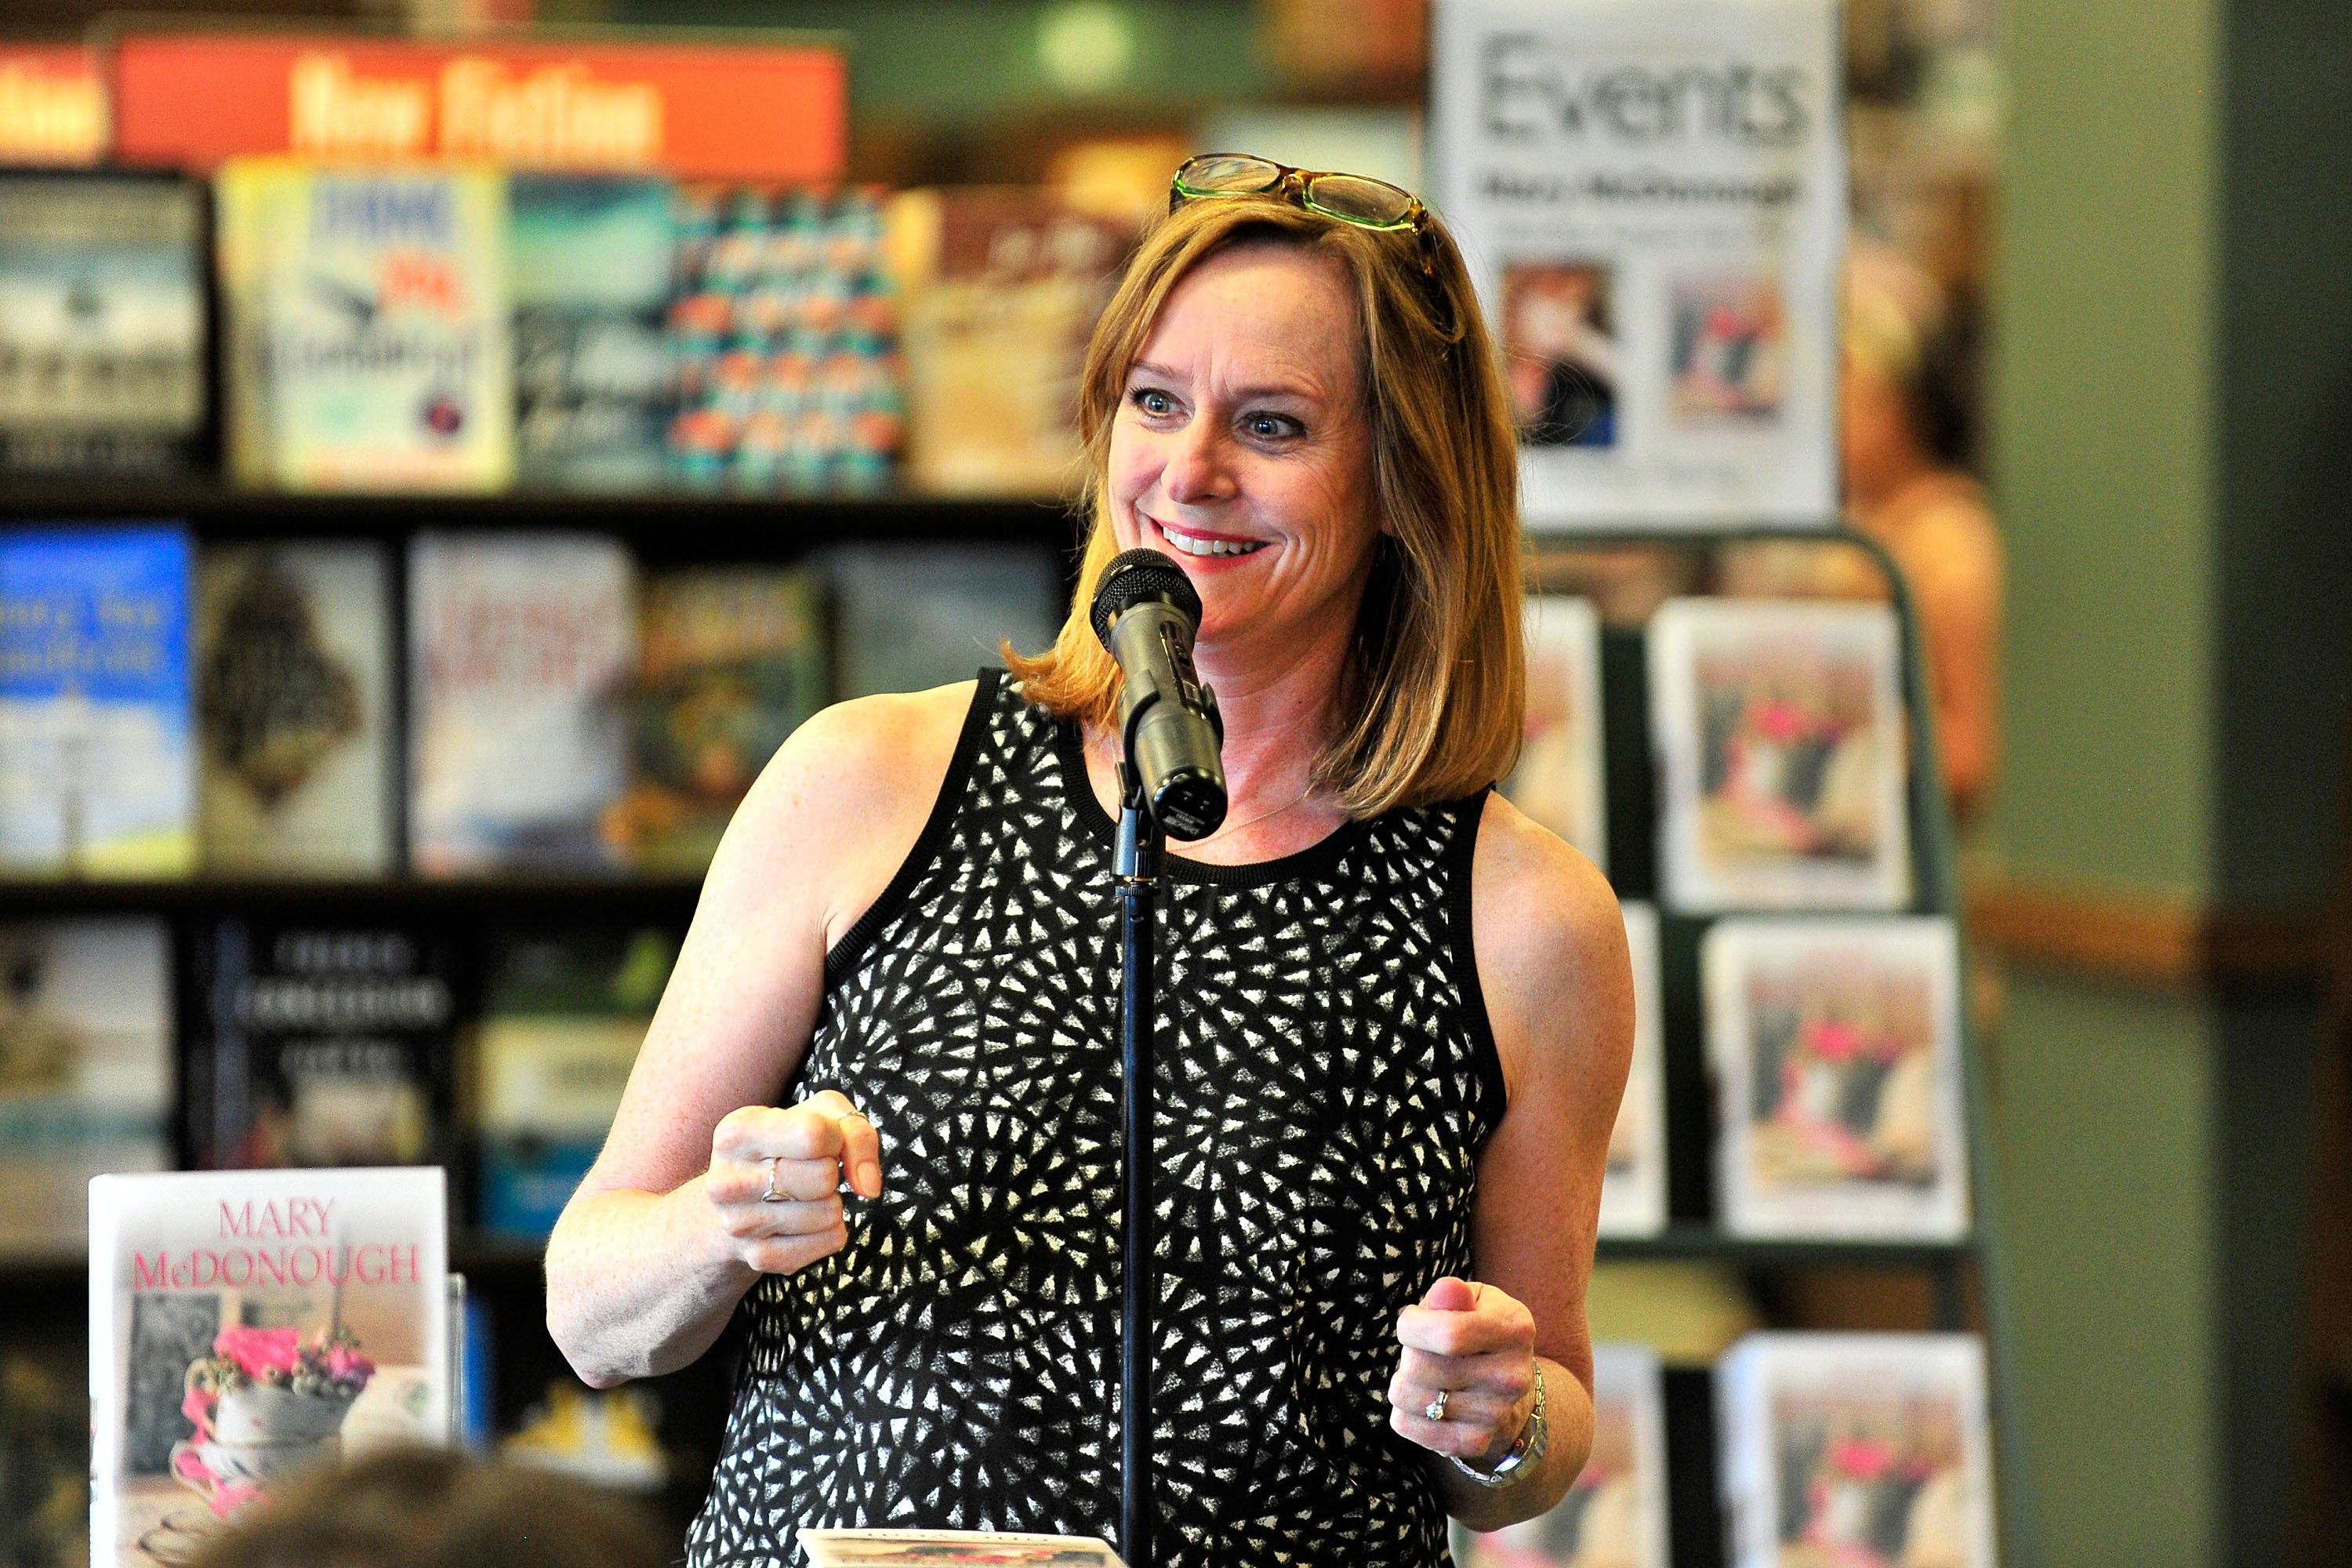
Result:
{"points": [[1435, 1408], [771, 1195]]}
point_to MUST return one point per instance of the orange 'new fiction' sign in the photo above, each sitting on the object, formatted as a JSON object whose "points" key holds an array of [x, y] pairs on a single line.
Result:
{"points": [[753, 112], [52, 105]]}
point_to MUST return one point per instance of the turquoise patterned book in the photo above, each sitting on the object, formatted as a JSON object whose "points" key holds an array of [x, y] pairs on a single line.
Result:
{"points": [[96, 767]]}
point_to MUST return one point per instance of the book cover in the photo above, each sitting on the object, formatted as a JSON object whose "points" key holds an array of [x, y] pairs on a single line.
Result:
{"points": [[731, 660], [1557, 781], [97, 765], [293, 707], [103, 340], [565, 1018], [591, 271], [1633, 1189], [368, 326], [1783, 756], [246, 1327], [520, 647], [1855, 1451], [43, 1446], [1615, 1514], [1836, 1054], [908, 618], [319, 1043], [786, 329], [85, 1069], [953, 1549], [1002, 287]]}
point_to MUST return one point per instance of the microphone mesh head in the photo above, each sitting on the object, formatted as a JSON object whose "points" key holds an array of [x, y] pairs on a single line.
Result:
{"points": [[1137, 575]]}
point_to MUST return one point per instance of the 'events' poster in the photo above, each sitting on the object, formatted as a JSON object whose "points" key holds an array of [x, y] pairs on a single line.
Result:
{"points": [[1651, 198]]}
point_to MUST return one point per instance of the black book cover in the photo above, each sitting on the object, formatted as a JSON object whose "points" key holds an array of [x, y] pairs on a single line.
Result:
{"points": [[319, 1043]]}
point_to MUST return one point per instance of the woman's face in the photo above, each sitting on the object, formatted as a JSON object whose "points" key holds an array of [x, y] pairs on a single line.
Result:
{"points": [[1241, 448]]}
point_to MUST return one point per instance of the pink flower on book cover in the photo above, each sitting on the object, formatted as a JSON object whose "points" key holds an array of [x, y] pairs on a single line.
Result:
{"points": [[265, 1355], [263, 1403]]}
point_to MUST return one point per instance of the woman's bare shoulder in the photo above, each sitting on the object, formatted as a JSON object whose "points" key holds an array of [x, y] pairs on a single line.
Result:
{"points": [[846, 794], [1550, 946]]}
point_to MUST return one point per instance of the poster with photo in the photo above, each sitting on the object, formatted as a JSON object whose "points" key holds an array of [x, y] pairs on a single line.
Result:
{"points": [[1615, 1514], [1856, 1450], [1633, 1188], [1836, 1054], [1652, 197], [1782, 755], [1557, 781]]}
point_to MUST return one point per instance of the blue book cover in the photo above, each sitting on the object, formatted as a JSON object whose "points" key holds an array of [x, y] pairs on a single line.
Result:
{"points": [[96, 763]]}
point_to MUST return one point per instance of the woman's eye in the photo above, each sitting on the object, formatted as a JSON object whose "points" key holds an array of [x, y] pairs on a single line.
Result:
{"points": [[1153, 401], [1270, 426]]}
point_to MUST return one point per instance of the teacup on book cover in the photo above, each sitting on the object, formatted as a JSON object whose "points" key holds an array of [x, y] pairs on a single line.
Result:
{"points": [[246, 1326]]}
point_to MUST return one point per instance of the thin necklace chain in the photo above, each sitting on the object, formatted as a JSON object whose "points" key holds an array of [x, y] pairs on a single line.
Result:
{"points": [[1305, 790], [1261, 817]]}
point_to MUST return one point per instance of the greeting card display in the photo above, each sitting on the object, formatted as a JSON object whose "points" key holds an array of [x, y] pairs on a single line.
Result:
{"points": [[1615, 1514], [1781, 750], [1557, 781], [1856, 1451], [1633, 1191], [247, 1327], [1835, 1049]]}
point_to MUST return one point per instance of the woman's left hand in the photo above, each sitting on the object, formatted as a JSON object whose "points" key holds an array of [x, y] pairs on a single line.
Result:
{"points": [[1478, 1345]]}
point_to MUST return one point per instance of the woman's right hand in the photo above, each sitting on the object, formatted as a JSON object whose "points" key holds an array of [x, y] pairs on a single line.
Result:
{"points": [[807, 1148]]}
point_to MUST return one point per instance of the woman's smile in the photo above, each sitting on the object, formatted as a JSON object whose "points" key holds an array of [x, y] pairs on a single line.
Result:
{"points": [[1200, 544]]}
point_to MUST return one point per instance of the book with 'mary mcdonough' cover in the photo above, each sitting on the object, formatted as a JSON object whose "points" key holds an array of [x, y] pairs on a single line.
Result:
{"points": [[245, 1327]]}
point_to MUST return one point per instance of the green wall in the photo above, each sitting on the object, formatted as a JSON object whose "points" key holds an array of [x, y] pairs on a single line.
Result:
{"points": [[2172, 435], [2102, 425]]}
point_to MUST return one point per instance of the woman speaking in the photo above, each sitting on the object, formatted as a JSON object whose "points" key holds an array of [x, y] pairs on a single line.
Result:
{"points": [[1396, 1015]]}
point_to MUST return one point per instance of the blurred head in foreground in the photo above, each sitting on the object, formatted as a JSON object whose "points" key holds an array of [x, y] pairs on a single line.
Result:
{"points": [[425, 1508]]}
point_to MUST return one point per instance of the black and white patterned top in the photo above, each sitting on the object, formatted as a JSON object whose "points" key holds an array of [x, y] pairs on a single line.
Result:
{"points": [[1325, 1080]]}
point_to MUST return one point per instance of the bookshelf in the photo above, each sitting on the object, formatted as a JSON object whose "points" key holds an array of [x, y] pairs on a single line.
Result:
{"points": [[42, 1295]]}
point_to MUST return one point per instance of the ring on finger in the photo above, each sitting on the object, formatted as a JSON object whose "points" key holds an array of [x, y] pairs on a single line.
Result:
{"points": [[771, 1195], [1435, 1409]]}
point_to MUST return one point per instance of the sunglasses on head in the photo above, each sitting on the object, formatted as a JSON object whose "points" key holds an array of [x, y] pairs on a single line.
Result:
{"points": [[1355, 199]]}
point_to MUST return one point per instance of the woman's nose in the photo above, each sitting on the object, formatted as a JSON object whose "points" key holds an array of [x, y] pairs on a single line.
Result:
{"points": [[1197, 472]]}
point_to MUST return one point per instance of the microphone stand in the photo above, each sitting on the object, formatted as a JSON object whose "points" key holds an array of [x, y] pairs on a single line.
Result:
{"points": [[1135, 866]]}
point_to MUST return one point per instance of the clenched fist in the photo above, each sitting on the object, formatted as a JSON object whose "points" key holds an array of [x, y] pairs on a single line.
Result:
{"points": [[1478, 1346], [775, 1178]]}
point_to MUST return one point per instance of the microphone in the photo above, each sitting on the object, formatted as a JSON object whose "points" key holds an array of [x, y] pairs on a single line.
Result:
{"points": [[1146, 611]]}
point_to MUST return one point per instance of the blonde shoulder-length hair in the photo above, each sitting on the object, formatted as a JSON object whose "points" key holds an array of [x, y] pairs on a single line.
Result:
{"points": [[1433, 701]]}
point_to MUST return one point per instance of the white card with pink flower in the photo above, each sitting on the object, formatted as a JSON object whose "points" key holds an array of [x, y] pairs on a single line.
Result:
{"points": [[1835, 1049], [247, 1325]]}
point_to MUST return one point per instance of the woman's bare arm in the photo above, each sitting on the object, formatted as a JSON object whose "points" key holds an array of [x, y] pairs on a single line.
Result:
{"points": [[668, 1231], [1558, 984]]}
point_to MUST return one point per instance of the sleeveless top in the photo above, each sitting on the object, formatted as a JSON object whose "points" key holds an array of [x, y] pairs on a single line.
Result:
{"points": [[1324, 1080]]}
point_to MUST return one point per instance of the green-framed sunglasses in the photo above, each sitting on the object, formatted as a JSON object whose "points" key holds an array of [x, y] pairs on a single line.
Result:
{"points": [[1356, 199]]}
